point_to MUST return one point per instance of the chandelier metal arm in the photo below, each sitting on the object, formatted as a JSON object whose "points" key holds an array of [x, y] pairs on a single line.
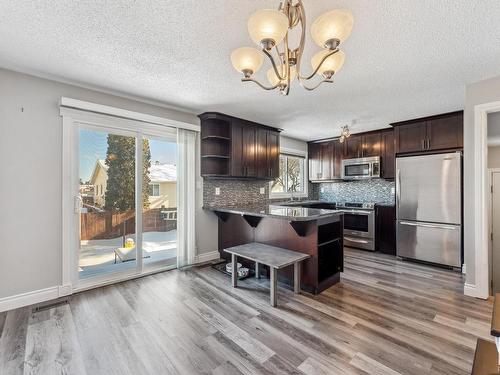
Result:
{"points": [[260, 84], [316, 86], [273, 64], [319, 66]]}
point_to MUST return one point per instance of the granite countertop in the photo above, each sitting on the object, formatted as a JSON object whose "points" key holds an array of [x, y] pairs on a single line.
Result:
{"points": [[276, 211]]}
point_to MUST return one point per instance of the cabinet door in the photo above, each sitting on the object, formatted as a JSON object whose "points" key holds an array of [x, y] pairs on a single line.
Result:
{"points": [[273, 154], [371, 145], [388, 159], [445, 132], [338, 153], [326, 160], [249, 151], [314, 153], [385, 222], [353, 147], [411, 137], [237, 169], [262, 155]]}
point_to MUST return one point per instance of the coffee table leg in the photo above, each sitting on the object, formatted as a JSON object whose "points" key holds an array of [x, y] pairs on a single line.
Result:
{"points": [[296, 277], [234, 273], [273, 286], [257, 270]]}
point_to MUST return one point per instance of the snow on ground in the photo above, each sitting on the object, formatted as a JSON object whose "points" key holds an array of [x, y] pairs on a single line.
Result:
{"points": [[156, 245]]}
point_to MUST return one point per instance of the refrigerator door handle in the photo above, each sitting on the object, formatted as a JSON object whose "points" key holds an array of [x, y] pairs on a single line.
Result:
{"points": [[398, 188], [437, 226]]}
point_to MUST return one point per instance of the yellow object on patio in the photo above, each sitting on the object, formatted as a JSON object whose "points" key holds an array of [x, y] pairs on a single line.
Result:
{"points": [[129, 243]]}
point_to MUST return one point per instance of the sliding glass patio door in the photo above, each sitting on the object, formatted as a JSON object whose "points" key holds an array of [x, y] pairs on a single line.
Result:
{"points": [[127, 202]]}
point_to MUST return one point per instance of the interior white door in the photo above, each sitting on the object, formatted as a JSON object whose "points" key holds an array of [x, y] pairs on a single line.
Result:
{"points": [[495, 228]]}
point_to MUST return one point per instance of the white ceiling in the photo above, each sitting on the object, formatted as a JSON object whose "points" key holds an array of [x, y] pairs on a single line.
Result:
{"points": [[405, 58]]}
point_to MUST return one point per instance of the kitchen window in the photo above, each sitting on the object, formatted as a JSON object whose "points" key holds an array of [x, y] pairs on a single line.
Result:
{"points": [[291, 181], [154, 190]]}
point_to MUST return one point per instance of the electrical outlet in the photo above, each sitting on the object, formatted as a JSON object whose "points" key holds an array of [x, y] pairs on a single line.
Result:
{"points": [[393, 190], [322, 189], [217, 191], [263, 190]]}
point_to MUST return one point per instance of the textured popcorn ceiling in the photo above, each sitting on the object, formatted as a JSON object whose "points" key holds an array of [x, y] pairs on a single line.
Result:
{"points": [[405, 58]]}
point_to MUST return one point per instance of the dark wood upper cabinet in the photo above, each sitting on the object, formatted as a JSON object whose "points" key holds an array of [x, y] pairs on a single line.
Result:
{"points": [[371, 145], [411, 137], [387, 155], [233, 147], [446, 132], [249, 151], [338, 152], [314, 156], [326, 160], [440, 132], [353, 147], [268, 150]]}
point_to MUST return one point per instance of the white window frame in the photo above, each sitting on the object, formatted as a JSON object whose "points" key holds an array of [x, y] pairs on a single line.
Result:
{"points": [[305, 180], [73, 119]]}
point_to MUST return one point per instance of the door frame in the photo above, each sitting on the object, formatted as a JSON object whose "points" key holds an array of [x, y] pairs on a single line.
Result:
{"points": [[490, 225], [72, 120], [481, 210]]}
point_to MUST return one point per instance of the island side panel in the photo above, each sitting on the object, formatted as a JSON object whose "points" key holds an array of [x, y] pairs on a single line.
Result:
{"points": [[233, 232]]}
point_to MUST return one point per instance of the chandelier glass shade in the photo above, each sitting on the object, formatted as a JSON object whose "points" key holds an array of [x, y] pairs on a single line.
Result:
{"points": [[269, 29]]}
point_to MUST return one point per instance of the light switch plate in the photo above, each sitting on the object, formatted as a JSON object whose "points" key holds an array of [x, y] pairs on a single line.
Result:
{"points": [[322, 189], [263, 190], [217, 191], [393, 191]]}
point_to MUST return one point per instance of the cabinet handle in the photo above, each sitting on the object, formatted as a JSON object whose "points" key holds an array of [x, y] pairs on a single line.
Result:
{"points": [[423, 144], [428, 144]]}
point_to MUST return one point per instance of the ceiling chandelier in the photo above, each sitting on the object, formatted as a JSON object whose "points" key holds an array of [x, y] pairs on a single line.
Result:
{"points": [[344, 133], [270, 28]]}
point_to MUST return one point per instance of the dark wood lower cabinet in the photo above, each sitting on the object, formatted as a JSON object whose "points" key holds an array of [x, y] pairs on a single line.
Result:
{"points": [[321, 239], [385, 229]]}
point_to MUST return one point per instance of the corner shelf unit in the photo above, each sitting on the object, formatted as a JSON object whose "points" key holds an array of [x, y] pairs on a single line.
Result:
{"points": [[215, 147]]}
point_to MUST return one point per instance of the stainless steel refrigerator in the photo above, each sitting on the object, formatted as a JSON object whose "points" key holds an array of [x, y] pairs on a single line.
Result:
{"points": [[429, 208]]}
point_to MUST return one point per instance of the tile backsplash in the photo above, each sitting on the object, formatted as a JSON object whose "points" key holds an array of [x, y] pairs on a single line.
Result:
{"points": [[240, 192], [235, 192], [376, 191]]}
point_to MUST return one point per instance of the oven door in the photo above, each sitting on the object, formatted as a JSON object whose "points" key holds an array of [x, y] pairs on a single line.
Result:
{"points": [[359, 223]]}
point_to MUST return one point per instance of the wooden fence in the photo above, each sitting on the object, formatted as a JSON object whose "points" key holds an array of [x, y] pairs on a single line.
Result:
{"points": [[107, 225]]}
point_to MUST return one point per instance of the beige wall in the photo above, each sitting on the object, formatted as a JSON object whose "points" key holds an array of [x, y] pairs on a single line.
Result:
{"points": [[494, 157], [31, 151], [100, 186], [167, 198], [477, 93]]}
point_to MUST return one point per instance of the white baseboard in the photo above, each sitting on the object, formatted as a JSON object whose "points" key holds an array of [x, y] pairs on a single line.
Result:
{"points": [[470, 289], [206, 257], [29, 298]]}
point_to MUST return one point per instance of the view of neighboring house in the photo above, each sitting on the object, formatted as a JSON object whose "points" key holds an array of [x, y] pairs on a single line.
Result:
{"points": [[99, 180], [163, 185], [162, 188]]}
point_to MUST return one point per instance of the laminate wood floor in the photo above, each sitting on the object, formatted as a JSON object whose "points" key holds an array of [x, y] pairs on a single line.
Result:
{"points": [[385, 317]]}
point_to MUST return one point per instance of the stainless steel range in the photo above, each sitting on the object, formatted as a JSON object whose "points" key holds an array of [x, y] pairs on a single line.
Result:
{"points": [[359, 224]]}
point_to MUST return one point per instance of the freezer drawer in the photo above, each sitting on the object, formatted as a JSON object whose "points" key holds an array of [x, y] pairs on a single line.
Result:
{"points": [[436, 243]]}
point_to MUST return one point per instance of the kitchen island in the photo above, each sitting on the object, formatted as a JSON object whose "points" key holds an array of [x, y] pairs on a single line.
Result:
{"points": [[313, 231]]}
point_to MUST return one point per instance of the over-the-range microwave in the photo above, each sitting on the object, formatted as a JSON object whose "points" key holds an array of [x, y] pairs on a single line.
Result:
{"points": [[361, 168]]}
